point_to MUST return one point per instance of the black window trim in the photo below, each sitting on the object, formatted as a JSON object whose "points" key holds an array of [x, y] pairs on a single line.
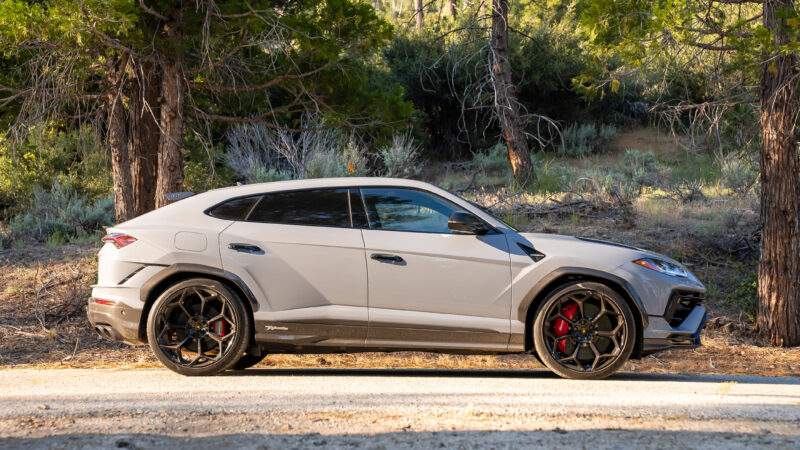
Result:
{"points": [[492, 229]]}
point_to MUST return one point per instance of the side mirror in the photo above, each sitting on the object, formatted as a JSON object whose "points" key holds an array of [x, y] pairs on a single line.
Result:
{"points": [[466, 223]]}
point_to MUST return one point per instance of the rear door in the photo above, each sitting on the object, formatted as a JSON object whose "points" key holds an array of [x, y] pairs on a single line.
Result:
{"points": [[299, 250], [428, 286]]}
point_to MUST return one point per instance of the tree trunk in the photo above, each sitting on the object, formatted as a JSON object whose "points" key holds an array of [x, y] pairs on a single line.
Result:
{"points": [[170, 147], [145, 111], [505, 97], [453, 8], [779, 264], [118, 141], [420, 13]]}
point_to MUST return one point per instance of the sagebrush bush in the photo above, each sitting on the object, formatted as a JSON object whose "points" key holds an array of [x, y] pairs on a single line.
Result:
{"points": [[585, 139], [259, 154], [61, 213], [348, 160], [640, 168], [737, 173], [401, 158], [493, 159]]}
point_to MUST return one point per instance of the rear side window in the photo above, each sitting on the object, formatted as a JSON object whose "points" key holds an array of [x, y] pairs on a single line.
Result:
{"points": [[233, 209], [317, 207]]}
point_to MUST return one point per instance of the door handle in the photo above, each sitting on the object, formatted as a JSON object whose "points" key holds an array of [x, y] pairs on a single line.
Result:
{"points": [[247, 248], [391, 259]]}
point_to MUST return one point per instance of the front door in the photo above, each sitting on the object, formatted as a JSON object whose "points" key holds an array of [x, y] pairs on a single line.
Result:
{"points": [[429, 286], [301, 252]]}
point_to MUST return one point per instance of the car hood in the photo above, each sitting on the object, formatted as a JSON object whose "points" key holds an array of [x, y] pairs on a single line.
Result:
{"points": [[611, 254]]}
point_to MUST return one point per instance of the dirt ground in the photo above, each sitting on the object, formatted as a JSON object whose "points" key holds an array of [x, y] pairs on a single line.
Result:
{"points": [[54, 332]]}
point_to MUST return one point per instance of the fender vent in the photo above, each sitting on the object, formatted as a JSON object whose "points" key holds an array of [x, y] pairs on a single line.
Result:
{"points": [[534, 254]]}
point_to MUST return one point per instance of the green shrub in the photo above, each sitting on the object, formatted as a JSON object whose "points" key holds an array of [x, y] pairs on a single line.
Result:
{"points": [[640, 168], [550, 176], [350, 160], [744, 292], [585, 139], [737, 173], [75, 157], [401, 158], [607, 133], [701, 167], [494, 159], [60, 214]]}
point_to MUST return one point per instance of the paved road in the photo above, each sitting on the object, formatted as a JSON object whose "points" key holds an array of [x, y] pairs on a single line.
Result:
{"points": [[277, 408]]}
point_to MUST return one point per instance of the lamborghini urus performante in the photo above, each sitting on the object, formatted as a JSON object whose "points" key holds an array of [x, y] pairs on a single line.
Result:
{"points": [[219, 280]]}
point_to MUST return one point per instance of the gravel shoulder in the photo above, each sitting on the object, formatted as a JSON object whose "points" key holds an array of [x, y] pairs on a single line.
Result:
{"points": [[287, 408]]}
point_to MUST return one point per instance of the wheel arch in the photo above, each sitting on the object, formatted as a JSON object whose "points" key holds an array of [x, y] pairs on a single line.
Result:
{"points": [[176, 273], [560, 277]]}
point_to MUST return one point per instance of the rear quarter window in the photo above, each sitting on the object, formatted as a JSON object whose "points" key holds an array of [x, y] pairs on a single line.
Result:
{"points": [[234, 209]]}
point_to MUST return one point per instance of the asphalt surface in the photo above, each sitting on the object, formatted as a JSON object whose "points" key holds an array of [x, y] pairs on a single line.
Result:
{"points": [[351, 408]]}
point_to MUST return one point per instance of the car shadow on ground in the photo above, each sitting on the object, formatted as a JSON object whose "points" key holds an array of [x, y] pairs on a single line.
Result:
{"points": [[594, 438], [509, 373]]}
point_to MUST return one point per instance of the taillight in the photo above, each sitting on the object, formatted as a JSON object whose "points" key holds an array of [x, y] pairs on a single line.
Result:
{"points": [[119, 239], [101, 301]]}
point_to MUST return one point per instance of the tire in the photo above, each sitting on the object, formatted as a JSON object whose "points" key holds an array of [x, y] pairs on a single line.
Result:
{"points": [[592, 344], [198, 327], [247, 361]]}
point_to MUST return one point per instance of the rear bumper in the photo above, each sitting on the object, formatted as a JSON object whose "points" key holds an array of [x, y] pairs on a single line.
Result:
{"points": [[659, 335], [118, 322]]}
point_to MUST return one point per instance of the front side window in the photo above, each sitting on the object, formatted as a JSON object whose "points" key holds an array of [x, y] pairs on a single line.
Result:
{"points": [[407, 210], [316, 207]]}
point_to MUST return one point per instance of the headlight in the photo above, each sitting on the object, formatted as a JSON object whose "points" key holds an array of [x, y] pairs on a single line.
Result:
{"points": [[662, 266]]}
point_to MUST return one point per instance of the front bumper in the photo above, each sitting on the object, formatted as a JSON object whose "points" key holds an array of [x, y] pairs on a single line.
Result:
{"points": [[118, 322], [659, 335]]}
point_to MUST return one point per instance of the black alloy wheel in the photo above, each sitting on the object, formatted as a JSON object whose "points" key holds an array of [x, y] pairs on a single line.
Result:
{"points": [[198, 327], [584, 330]]}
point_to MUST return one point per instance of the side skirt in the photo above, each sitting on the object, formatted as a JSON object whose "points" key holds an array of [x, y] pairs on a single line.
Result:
{"points": [[304, 338]]}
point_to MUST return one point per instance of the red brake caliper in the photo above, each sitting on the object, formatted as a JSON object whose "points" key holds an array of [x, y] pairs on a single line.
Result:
{"points": [[220, 326], [560, 326]]}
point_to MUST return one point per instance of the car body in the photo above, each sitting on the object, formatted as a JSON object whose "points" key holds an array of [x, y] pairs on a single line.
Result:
{"points": [[377, 264]]}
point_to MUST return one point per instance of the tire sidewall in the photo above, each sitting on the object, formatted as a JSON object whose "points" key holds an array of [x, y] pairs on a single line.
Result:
{"points": [[539, 338], [238, 310]]}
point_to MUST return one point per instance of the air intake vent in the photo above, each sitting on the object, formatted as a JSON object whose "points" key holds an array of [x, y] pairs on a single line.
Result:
{"points": [[681, 304]]}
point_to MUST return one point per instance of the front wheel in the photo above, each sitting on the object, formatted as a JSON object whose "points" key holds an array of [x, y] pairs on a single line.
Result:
{"points": [[584, 330], [198, 327]]}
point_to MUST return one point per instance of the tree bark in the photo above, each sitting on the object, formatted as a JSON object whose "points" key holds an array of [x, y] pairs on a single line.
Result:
{"points": [[145, 111], [779, 265], [420, 14], [505, 97], [453, 8], [170, 146], [124, 205]]}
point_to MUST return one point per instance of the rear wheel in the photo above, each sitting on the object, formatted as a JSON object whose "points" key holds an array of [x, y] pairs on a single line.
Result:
{"points": [[584, 330], [198, 327]]}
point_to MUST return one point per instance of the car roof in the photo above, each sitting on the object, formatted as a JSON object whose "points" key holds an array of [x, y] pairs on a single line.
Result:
{"points": [[197, 204], [259, 188]]}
